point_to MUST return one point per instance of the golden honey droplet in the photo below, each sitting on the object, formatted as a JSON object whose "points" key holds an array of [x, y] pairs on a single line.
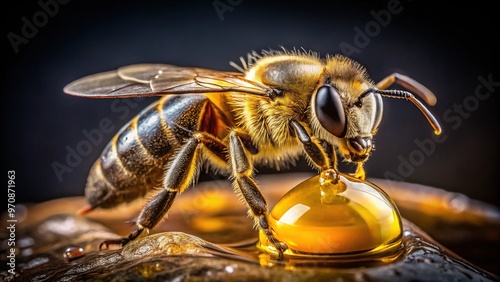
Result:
{"points": [[328, 216]]}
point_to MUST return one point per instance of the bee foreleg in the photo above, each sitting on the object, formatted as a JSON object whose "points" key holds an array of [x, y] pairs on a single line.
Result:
{"points": [[245, 186], [330, 151], [360, 171], [316, 153]]}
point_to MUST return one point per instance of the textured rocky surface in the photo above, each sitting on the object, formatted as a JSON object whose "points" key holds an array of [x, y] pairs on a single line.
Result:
{"points": [[208, 237]]}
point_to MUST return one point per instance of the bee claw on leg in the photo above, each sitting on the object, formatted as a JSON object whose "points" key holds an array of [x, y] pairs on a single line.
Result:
{"points": [[281, 247], [124, 240]]}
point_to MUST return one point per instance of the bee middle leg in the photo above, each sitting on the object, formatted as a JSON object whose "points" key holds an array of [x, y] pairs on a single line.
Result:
{"points": [[245, 185], [180, 174]]}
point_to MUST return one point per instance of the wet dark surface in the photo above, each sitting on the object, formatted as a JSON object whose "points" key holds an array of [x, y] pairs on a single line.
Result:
{"points": [[208, 237], [179, 256]]}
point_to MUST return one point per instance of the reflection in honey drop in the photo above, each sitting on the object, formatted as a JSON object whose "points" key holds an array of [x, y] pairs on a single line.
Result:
{"points": [[358, 220]]}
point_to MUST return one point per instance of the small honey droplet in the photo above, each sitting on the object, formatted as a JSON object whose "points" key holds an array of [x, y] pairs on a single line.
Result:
{"points": [[72, 253], [342, 217]]}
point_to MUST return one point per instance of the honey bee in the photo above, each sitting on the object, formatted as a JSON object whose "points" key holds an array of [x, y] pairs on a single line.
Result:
{"points": [[280, 105]]}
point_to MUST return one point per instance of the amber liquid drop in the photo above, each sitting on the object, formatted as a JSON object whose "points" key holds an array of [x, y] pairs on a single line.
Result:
{"points": [[350, 219]]}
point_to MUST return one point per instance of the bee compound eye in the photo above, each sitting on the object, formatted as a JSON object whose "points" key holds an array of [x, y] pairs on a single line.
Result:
{"points": [[330, 111], [379, 109]]}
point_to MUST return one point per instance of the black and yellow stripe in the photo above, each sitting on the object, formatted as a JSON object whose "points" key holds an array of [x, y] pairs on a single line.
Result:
{"points": [[136, 158]]}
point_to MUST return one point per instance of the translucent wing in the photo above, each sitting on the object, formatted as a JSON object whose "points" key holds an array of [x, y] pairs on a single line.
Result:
{"points": [[158, 79]]}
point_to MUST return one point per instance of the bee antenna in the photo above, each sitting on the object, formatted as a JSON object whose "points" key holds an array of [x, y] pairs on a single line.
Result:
{"points": [[401, 94], [365, 93]]}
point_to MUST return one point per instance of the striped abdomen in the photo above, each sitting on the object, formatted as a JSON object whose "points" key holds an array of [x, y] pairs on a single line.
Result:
{"points": [[134, 161]]}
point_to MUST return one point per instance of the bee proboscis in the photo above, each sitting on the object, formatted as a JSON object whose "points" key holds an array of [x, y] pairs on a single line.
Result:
{"points": [[281, 105]]}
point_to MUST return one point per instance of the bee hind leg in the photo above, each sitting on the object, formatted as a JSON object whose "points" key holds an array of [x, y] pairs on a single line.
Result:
{"points": [[149, 217], [179, 175], [181, 172]]}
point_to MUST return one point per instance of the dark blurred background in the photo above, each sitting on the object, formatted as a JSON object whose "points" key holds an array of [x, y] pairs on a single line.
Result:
{"points": [[451, 50]]}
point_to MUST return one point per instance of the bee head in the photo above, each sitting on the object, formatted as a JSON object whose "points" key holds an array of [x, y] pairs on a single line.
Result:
{"points": [[353, 124]]}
